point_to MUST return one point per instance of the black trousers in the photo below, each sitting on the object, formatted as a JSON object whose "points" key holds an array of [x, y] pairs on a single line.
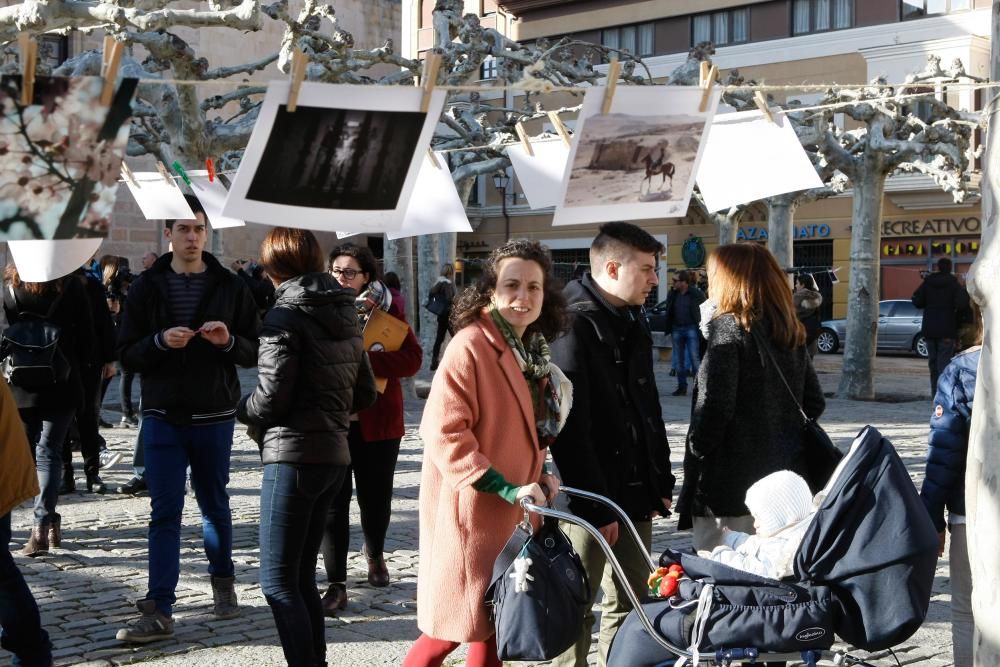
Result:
{"points": [[374, 465], [85, 427], [443, 328]]}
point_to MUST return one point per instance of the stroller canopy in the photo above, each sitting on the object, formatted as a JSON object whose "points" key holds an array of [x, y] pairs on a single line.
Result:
{"points": [[873, 544]]}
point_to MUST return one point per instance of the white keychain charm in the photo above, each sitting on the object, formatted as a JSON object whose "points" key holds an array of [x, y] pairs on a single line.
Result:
{"points": [[520, 574]]}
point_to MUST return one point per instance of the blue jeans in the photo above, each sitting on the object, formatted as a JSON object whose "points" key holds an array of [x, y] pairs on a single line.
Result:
{"points": [[22, 628], [293, 504], [47, 431], [685, 350], [169, 449]]}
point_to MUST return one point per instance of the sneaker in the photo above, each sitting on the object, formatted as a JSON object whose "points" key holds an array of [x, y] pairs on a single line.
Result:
{"points": [[224, 597], [680, 391], [128, 421], [673, 372], [109, 458], [104, 423], [151, 626], [134, 487]]}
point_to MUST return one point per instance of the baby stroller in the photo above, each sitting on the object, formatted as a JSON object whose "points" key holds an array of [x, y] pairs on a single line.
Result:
{"points": [[864, 572]]}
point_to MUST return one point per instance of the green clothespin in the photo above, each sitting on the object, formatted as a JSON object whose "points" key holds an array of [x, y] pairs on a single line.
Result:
{"points": [[180, 172]]}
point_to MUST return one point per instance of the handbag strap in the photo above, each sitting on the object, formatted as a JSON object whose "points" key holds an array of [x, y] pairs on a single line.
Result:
{"points": [[761, 343]]}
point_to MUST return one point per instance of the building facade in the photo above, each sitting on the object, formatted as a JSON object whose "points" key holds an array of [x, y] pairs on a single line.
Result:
{"points": [[780, 42]]}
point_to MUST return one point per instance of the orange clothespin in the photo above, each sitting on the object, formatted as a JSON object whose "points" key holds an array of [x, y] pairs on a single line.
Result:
{"points": [[614, 71], [523, 136], [761, 102], [299, 62], [706, 87], [559, 126], [111, 60], [29, 61], [211, 169], [432, 64]]}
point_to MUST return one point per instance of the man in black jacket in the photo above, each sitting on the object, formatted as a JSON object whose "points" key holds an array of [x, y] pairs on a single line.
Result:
{"points": [[614, 442], [187, 324], [683, 313], [945, 303]]}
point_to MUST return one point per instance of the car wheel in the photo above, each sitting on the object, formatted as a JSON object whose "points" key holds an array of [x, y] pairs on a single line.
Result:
{"points": [[920, 346], [827, 341]]}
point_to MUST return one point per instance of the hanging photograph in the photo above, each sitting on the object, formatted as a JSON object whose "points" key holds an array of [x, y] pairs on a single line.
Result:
{"points": [[159, 198], [435, 207], [42, 261], [540, 175], [212, 195], [730, 172], [345, 160], [60, 158], [639, 160]]}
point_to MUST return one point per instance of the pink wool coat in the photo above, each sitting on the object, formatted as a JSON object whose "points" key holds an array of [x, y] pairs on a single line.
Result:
{"points": [[478, 415]]}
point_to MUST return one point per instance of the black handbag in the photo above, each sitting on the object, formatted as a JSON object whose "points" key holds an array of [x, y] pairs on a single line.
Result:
{"points": [[438, 304], [821, 455], [537, 608], [30, 355]]}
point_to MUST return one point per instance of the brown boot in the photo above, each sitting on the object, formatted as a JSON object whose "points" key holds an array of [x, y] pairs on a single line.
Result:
{"points": [[55, 532], [335, 599], [378, 573], [38, 542], [224, 597]]}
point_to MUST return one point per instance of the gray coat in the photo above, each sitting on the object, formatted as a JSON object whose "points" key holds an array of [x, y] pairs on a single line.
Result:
{"points": [[744, 424]]}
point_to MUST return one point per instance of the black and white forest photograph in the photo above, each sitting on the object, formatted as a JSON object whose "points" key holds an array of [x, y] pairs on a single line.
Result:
{"points": [[344, 158]]}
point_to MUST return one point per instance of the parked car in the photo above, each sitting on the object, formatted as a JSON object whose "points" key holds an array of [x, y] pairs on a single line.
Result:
{"points": [[656, 317], [898, 330]]}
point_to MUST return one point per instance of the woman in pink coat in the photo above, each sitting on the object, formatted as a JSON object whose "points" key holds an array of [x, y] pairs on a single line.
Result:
{"points": [[494, 407]]}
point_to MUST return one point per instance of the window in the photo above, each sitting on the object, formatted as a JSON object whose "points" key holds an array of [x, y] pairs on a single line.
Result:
{"points": [[905, 309], [915, 9], [721, 28], [636, 39], [488, 70], [53, 50], [822, 15]]}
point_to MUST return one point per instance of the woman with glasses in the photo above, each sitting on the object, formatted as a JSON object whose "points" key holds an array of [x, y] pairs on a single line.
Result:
{"points": [[374, 435]]}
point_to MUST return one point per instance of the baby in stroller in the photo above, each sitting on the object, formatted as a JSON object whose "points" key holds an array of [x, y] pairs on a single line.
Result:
{"points": [[782, 507]]}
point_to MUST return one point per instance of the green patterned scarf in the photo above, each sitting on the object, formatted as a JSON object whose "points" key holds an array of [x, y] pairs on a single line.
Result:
{"points": [[533, 360]]}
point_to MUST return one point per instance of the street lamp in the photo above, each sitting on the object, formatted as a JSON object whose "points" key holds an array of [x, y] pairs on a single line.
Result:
{"points": [[500, 181]]}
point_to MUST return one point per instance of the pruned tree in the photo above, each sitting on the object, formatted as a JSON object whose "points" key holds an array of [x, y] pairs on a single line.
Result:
{"points": [[890, 137], [982, 469]]}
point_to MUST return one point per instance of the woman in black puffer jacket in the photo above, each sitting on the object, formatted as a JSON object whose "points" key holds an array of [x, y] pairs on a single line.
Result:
{"points": [[312, 375]]}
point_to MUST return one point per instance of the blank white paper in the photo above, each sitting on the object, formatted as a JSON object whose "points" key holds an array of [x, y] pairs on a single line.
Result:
{"points": [[212, 195], [540, 175], [39, 261], [158, 199], [434, 207]]}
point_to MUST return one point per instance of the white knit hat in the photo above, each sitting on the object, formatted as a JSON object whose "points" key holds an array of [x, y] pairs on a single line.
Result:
{"points": [[778, 500]]}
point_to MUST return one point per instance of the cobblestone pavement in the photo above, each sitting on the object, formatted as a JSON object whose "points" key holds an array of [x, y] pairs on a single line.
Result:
{"points": [[87, 589]]}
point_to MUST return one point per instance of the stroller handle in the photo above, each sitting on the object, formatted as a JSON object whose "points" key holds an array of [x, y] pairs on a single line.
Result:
{"points": [[528, 506], [624, 520]]}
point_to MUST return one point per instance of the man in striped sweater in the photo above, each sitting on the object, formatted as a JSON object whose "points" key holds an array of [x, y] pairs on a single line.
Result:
{"points": [[188, 322]]}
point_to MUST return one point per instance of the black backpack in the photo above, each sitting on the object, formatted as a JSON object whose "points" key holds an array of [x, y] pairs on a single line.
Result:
{"points": [[30, 357]]}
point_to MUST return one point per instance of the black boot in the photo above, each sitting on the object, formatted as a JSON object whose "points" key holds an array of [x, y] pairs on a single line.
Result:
{"points": [[95, 484], [68, 482]]}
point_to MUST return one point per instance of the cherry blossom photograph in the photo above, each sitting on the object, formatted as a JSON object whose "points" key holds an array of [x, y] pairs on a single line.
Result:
{"points": [[60, 158]]}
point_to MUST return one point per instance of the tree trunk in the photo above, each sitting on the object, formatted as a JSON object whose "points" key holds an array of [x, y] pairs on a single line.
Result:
{"points": [[728, 227], [863, 291], [398, 258], [428, 269], [780, 240], [982, 496]]}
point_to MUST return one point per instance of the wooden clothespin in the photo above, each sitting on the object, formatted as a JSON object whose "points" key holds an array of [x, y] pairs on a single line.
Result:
{"points": [[761, 102], [523, 136], [162, 168], [432, 158], [129, 176], [29, 61], [703, 72], [614, 71], [299, 62], [432, 64], [559, 127], [111, 60], [706, 87]]}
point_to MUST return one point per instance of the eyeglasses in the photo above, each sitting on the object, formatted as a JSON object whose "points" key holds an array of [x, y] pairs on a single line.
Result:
{"points": [[347, 273]]}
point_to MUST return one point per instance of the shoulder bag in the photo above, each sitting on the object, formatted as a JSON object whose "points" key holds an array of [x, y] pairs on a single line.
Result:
{"points": [[820, 454], [539, 594]]}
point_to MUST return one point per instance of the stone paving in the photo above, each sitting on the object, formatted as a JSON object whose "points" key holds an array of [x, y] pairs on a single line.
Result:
{"points": [[87, 589]]}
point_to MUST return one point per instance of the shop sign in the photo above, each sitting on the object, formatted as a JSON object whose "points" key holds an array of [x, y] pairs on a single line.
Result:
{"points": [[936, 226], [922, 248], [803, 232]]}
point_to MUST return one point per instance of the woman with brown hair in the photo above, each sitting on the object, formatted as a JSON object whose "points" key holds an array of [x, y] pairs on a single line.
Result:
{"points": [[312, 375], [744, 425], [48, 411], [495, 406]]}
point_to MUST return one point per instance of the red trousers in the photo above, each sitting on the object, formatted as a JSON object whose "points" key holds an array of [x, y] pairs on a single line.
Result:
{"points": [[430, 652]]}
